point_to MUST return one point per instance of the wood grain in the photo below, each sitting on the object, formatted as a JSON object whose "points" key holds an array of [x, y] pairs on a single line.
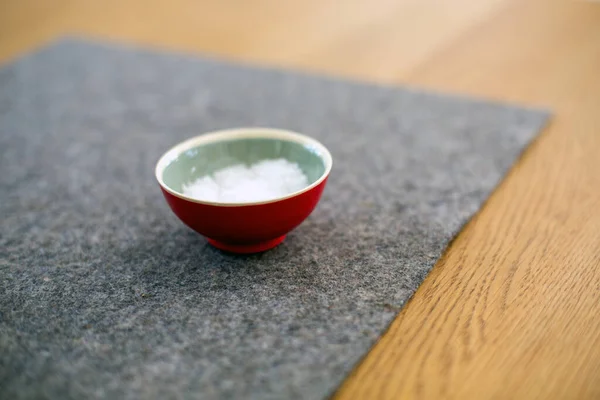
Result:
{"points": [[513, 308]]}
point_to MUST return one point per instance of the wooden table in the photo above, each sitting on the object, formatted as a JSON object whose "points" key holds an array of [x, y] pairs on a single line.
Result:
{"points": [[513, 309]]}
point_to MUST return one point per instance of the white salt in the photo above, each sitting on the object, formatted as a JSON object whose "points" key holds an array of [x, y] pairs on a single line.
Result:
{"points": [[265, 180]]}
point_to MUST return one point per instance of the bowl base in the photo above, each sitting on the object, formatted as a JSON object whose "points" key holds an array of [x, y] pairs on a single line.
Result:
{"points": [[247, 248]]}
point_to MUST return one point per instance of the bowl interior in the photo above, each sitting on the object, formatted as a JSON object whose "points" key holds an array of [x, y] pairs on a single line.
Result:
{"points": [[205, 159]]}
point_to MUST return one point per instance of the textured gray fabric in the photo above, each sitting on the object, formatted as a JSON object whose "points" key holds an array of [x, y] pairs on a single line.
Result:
{"points": [[105, 294]]}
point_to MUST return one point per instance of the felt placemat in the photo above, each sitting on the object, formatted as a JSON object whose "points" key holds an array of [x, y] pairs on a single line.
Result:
{"points": [[105, 294]]}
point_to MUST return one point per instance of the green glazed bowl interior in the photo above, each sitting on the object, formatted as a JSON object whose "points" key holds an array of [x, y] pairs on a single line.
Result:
{"points": [[206, 158]]}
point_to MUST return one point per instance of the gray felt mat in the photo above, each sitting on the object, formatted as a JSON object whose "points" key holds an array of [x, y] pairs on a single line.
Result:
{"points": [[105, 294]]}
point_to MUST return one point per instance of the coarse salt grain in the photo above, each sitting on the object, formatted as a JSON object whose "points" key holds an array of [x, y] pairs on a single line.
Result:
{"points": [[265, 180]]}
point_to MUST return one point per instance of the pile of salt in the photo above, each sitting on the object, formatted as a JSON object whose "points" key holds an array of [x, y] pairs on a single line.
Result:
{"points": [[265, 180]]}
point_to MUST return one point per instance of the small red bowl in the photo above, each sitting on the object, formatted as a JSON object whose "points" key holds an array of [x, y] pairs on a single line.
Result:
{"points": [[243, 227]]}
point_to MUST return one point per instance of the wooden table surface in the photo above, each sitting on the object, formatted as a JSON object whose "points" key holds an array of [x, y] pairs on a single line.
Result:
{"points": [[512, 311]]}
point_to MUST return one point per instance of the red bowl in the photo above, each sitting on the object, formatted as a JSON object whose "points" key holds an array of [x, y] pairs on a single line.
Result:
{"points": [[243, 227]]}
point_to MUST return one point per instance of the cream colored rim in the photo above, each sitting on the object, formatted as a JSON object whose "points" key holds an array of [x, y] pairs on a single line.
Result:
{"points": [[241, 133]]}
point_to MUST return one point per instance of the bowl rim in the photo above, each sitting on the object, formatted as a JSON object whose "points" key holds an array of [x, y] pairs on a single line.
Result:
{"points": [[223, 135]]}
